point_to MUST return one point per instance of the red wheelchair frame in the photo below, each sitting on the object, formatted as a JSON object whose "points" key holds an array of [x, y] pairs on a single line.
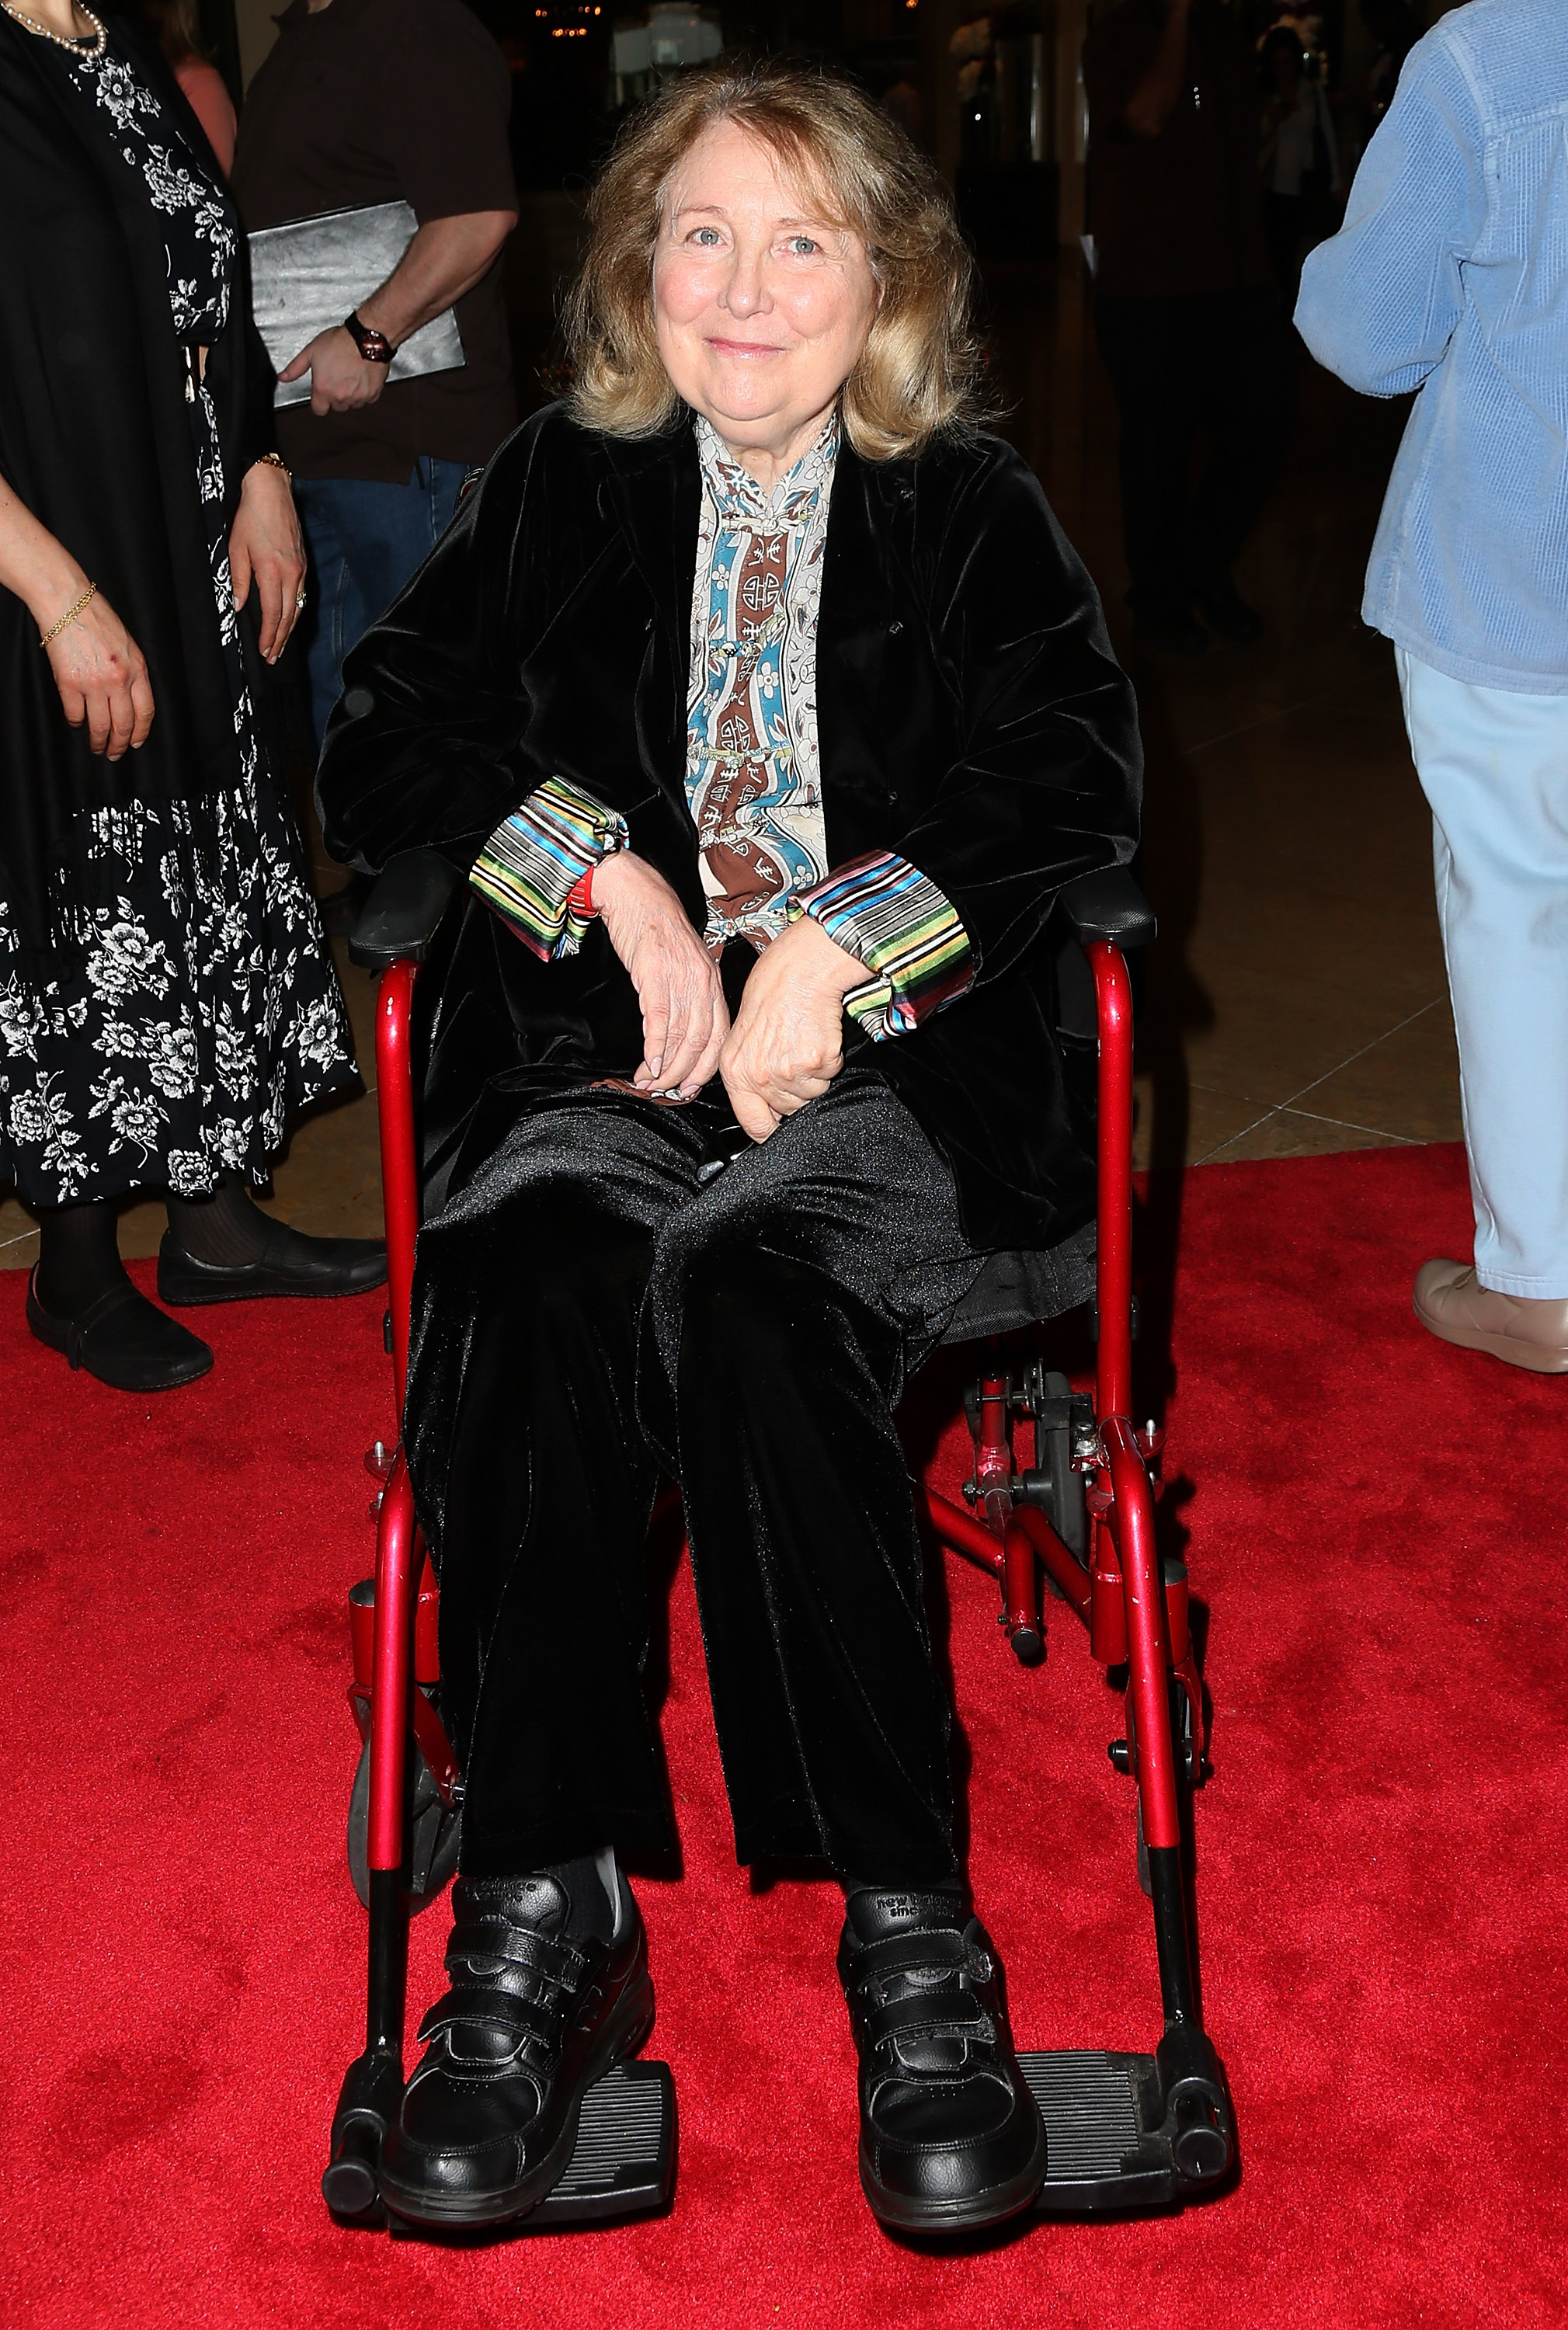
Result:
{"points": [[1124, 2130]]}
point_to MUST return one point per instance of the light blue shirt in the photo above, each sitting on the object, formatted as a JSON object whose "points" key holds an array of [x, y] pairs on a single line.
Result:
{"points": [[1450, 276]]}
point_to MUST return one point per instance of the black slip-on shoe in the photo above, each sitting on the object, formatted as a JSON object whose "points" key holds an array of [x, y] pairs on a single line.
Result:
{"points": [[488, 2122], [290, 1263], [950, 2138], [123, 1339]]}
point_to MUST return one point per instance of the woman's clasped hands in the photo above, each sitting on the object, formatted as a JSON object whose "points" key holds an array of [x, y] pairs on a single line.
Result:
{"points": [[786, 1043]]}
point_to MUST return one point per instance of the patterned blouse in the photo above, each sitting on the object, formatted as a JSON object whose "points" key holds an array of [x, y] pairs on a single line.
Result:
{"points": [[753, 771]]}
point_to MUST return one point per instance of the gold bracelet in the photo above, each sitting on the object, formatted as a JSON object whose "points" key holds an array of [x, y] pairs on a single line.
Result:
{"points": [[274, 462], [68, 617]]}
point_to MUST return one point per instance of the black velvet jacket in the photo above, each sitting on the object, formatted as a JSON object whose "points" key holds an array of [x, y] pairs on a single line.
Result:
{"points": [[971, 713]]}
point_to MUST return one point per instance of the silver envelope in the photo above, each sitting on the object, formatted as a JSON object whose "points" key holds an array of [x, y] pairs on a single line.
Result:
{"points": [[308, 275]]}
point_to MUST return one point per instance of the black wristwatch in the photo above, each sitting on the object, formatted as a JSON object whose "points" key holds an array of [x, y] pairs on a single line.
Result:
{"points": [[373, 346]]}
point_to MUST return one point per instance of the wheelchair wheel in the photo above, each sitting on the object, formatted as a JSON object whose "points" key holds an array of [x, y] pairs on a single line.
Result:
{"points": [[433, 1830], [1069, 1492], [1065, 1498]]}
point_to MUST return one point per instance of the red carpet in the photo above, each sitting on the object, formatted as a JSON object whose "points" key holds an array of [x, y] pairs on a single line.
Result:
{"points": [[1377, 1525]]}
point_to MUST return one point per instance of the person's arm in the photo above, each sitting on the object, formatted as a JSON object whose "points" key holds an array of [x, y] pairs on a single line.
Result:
{"points": [[447, 257], [425, 746], [1380, 299], [1330, 141], [445, 97], [267, 547], [1271, 121], [559, 862], [1155, 94], [1046, 788], [1047, 784], [100, 670], [787, 1044]]}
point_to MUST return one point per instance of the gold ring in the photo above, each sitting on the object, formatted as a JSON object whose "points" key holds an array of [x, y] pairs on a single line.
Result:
{"points": [[300, 601]]}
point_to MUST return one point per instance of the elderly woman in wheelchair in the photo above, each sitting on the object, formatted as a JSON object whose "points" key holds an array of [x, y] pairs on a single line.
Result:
{"points": [[771, 711]]}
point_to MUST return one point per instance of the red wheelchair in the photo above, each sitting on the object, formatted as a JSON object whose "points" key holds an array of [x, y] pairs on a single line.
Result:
{"points": [[1124, 2131]]}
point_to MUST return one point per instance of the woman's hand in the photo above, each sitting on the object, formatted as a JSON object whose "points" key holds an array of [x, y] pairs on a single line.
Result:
{"points": [[266, 545], [101, 673], [683, 1019], [787, 1044]]}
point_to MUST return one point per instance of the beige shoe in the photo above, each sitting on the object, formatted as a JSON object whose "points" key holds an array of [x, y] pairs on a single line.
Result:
{"points": [[1450, 1299]]}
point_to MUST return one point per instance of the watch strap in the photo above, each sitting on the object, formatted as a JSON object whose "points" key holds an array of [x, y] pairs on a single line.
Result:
{"points": [[373, 346]]}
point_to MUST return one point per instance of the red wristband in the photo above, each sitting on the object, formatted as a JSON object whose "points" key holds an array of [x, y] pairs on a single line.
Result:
{"points": [[580, 899]]}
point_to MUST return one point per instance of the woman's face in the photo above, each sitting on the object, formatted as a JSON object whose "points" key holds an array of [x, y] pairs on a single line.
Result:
{"points": [[762, 305]]}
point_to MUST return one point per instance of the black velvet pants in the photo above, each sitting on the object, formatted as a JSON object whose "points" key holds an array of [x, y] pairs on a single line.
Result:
{"points": [[1222, 363], [591, 1305]]}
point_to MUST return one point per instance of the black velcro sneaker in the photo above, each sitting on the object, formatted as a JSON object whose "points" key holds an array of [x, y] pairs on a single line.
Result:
{"points": [[950, 2138], [534, 2017]]}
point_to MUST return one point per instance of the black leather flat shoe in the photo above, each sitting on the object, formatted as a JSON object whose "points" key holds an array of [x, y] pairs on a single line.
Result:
{"points": [[490, 2118], [951, 2137], [290, 1263], [123, 1339]]}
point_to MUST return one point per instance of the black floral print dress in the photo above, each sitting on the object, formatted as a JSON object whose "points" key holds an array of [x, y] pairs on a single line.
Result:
{"points": [[207, 1011]]}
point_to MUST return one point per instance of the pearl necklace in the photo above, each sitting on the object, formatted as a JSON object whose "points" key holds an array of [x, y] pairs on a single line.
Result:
{"points": [[76, 46]]}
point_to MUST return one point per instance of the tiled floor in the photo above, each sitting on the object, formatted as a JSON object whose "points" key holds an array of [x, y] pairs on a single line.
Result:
{"points": [[1296, 998], [1297, 1001]]}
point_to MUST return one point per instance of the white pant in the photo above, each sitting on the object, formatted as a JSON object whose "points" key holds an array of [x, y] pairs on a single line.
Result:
{"points": [[1494, 765]]}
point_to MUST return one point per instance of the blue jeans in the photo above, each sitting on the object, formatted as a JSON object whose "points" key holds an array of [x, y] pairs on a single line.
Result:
{"points": [[365, 539]]}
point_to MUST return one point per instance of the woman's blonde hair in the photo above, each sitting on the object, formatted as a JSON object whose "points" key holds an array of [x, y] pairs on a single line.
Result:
{"points": [[920, 368]]}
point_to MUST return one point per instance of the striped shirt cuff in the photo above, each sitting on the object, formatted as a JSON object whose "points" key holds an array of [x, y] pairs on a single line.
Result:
{"points": [[909, 936], [535, 858]]}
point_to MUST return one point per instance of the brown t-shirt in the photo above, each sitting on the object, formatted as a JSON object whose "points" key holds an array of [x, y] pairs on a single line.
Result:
{"points": [[366, 101], [1181, 214]]}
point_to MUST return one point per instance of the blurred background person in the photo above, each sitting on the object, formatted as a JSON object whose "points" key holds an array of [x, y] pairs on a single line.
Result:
{"points": [[362, 102], [1300, 156], [201, 85], [1395, 27], [179, 35], [166, 1001], [1187, 320], [1450, 276]]}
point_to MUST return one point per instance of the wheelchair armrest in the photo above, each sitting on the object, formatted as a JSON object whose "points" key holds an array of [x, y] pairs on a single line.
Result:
{"points": [[406, 907], [1107, 905]]}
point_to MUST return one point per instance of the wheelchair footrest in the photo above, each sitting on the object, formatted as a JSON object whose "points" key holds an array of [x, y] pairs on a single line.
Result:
{"points": [[1106, 2144], [624, 2165]]}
